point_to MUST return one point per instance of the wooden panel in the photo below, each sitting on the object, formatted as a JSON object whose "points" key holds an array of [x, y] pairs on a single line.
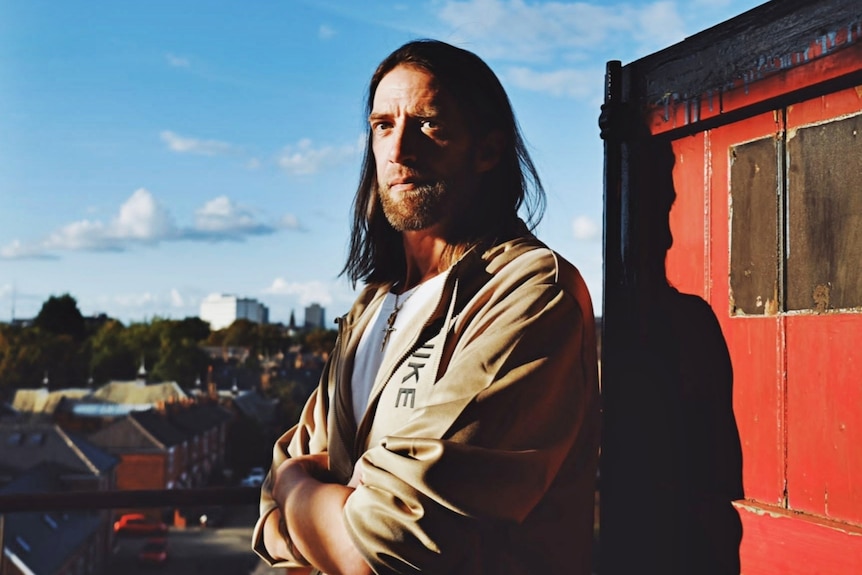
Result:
{"points": [[754, 192], [755, 343], [825, 212], [686, 260], [776, 542], [824, 415], [824, 399]]}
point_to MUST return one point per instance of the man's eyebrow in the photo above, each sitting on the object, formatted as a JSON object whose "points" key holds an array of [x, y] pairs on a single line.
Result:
{"points": [[378, 116]]}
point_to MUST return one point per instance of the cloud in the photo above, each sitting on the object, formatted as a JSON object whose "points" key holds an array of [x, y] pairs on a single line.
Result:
{"points": [[184, 145], [289, 222], [532, 35], [16, 250], [571, 83], [325, 32], [307, 292], [177, 61], [177, 298], [142, 220], [517, 31], [222, 217], [586, 229], [304, 159]]}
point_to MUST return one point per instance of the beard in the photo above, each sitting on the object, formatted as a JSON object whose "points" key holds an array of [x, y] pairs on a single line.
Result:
{"points": [[417, 209]]}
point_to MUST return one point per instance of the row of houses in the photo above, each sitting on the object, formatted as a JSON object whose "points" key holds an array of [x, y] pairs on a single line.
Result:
{"points": [[122, 436]]}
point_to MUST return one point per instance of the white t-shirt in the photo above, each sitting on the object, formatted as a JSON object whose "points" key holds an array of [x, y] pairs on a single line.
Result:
{"points": [[373, 347]]}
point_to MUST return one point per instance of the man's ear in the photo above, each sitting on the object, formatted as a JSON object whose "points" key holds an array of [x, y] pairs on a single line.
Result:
{"points": [[489, 150]]}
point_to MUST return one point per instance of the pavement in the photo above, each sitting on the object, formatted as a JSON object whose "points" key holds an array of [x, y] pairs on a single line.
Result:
{"points": [[222, 550]]}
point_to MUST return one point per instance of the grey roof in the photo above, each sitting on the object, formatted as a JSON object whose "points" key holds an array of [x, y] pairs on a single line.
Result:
{"points": [[25, 444], [197, 418], [44, 541], [256, 407], [140, 431]]}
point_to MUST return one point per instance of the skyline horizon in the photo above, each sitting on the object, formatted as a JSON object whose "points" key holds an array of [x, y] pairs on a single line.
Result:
{"points": [[155, 154]]}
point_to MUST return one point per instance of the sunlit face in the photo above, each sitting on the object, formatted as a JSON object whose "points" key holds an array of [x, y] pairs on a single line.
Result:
{"points": [[424, 153]]}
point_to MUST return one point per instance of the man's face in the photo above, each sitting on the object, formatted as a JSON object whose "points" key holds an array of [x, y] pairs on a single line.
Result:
{"points": [[423, 150]]}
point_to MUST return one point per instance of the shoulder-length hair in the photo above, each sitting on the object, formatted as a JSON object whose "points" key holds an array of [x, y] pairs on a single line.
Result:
{"points": [[376, 253]]}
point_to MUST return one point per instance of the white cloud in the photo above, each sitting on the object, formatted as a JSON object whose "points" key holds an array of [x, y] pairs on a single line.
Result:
{"points": [[177, 298], [517, 31], [534, 33], [141, 219], [223, 216], [16, 250], [253, 164], [185, 145], [177, 61], [325, 32], [305, 159], [307, 292], [289, 222], [586, 229], [659, 25], [570, 82]]}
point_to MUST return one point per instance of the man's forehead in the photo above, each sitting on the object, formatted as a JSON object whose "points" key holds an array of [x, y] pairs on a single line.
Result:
{"points": [[427, 95]]}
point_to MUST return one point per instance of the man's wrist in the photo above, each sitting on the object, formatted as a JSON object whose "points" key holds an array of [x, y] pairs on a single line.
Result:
{"points": [[288, 541]]}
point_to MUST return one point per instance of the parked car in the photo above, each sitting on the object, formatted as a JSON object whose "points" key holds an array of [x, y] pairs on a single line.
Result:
{"points": [[254, 478], [139, 524], [154, 551]]}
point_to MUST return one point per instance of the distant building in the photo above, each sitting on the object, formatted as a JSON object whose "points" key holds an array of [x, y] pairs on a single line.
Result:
{"points": [[314, 316], [222, 310]]}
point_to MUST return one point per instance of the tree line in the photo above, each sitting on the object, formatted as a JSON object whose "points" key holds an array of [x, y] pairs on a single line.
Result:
{"points": [[73, 351]]}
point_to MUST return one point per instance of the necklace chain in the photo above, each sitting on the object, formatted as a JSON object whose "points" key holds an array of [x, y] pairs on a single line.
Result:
{"points": [[390, 321]]}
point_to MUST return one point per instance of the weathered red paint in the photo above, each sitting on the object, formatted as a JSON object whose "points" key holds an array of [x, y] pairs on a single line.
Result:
{"points": [[687, 261], [797, 375], [782, 543], [824, 415]]}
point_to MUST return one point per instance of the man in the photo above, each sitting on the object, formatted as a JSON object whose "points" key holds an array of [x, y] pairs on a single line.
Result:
{"points": [[455, 428]]}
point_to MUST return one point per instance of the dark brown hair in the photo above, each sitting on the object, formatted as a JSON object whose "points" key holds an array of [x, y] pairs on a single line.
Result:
{"points": [[376, 249]]}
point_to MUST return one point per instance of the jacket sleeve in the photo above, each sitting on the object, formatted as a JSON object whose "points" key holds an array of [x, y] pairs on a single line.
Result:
{"points": [[309, 435], [487, 448]]}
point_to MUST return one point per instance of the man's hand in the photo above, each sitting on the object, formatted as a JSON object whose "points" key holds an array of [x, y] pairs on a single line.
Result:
{"points": [[286, 475], [311, 503]]}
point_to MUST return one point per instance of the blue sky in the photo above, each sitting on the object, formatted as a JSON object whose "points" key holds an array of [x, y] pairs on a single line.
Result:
{"points": [[153, 153]]}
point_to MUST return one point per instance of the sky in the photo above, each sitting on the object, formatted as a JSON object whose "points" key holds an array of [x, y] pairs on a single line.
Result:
{"points": [[154, 153]]}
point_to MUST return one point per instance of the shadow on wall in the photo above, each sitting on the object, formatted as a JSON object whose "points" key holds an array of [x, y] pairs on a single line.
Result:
{"points": [[671, 455]]}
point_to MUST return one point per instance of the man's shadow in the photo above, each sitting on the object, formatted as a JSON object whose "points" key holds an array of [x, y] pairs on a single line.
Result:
{"points": [[671, 454]]}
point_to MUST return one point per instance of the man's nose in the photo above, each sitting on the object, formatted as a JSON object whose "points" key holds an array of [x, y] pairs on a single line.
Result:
{"points": [[403, 144]]}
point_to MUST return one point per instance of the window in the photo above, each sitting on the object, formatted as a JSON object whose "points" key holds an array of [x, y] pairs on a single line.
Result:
{"points": [[824, 191], [796, 221]]}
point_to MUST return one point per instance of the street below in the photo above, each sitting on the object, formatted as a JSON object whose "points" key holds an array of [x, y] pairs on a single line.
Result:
{"points": [[221, 550]]}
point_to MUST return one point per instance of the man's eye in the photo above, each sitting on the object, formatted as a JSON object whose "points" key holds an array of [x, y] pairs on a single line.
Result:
{"points": [[380, 126], [430, 125]]}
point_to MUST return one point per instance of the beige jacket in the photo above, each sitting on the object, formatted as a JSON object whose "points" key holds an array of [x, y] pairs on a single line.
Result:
{"points": [[480, 443]]}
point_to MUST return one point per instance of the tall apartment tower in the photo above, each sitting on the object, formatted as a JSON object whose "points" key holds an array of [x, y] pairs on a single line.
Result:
{"points": [[314, 316], [222, 310]]}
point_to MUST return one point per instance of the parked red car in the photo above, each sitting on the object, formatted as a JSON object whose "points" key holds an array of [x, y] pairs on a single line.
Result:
{"points": [[154, 551], [138, 524]]}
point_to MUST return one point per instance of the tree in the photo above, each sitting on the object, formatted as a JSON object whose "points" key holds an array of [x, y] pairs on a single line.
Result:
{"points": [[61, 316], [321, 341], [180, 356], [110, 354]]}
